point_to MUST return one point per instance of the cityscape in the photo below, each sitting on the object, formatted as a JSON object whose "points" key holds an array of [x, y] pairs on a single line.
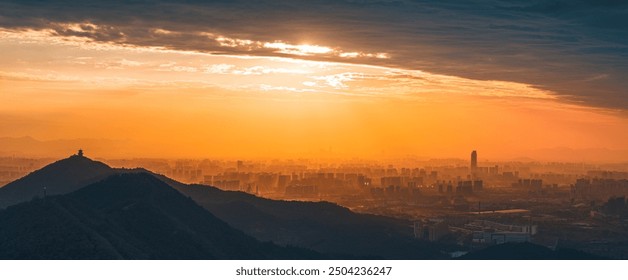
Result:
{"points": [[471, 203]]}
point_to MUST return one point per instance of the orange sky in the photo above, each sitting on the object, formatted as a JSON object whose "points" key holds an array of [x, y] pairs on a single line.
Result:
{"points": [[167, 103]]}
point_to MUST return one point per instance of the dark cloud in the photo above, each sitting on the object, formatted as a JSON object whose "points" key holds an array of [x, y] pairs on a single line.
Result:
{"points": [[578, 48]]}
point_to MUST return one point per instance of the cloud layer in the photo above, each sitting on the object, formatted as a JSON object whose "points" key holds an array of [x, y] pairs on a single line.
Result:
{"points": [[578, 49]]}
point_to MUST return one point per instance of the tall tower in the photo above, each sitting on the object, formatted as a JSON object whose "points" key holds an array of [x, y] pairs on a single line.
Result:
{"points": [[474, 162]]}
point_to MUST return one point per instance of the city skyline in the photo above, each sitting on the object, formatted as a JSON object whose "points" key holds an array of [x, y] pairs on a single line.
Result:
{"points": [[467, 208]]}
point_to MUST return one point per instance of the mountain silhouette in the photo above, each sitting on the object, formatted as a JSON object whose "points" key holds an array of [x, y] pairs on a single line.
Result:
{"points": [[126, 216], [60, 177], [320, 226]]}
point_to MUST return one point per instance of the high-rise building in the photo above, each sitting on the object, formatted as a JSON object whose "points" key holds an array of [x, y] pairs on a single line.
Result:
{"points": [[474, 161]]}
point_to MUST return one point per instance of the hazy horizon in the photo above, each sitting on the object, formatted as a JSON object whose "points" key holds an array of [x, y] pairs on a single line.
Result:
{"points": [[107, 149]]}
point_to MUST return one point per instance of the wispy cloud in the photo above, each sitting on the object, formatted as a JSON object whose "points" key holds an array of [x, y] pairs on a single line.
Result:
{"points": [[220, 68], [149, 67], [339, 80]]}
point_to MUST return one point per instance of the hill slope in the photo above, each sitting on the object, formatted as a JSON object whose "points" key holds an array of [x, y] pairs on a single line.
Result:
{"points": [[60, 177], [321, 226], [126, 216]]}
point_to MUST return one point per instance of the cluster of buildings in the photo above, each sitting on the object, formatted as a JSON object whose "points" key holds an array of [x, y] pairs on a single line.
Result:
{"points": [[454, 179], [308, 178], [598, 189], [488, 232], [12, 168], [481, 232]]}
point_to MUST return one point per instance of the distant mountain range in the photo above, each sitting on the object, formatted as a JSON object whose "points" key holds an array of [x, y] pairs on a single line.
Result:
{"points": [[30, 147], [563, 154]]}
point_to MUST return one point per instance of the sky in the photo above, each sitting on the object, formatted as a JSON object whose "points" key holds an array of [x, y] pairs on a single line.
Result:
{"points": [[365, 79]]}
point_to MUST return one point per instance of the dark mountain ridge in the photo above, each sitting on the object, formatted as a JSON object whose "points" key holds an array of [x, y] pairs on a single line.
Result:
{"points": [[127, 216], [321, 226], [60, 177]]}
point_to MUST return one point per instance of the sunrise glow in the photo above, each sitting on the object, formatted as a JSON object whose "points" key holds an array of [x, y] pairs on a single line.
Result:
{"points": [[60, 83]]}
